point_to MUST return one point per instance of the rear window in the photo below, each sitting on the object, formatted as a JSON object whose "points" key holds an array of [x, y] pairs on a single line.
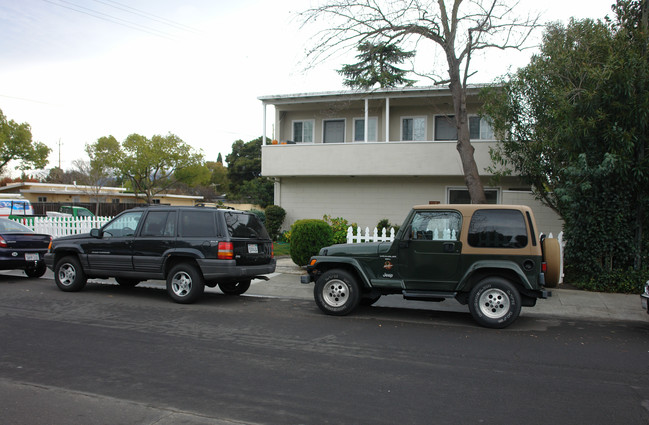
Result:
{"points": [[197, 224], [497, 229], [241, 225]]}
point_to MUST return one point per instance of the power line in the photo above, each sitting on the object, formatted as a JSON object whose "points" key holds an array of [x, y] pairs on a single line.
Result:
{"points": [[113, 19], [146, 15]]}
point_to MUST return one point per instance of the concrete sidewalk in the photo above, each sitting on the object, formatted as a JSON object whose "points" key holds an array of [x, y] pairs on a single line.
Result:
{"points": [[564, 303]]}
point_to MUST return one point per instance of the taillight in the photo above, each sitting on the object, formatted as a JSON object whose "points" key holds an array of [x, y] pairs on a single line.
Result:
{"points": [[226, 251], [272, 250], [544, 267], [3, 243]]}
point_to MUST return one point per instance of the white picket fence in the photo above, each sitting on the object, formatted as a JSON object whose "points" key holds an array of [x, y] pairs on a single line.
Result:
{"points": [[63, 226], [367, 237]]}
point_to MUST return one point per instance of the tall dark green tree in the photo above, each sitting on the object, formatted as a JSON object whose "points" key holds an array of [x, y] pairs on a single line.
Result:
{"points": [[575, 124], [376, 66], [244, 172]]}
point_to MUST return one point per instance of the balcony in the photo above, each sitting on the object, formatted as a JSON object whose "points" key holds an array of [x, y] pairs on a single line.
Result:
{"points": [[369, 159]]}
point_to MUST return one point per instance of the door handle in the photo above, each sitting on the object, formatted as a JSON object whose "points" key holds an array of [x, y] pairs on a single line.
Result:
{"points": [[449, 247]]}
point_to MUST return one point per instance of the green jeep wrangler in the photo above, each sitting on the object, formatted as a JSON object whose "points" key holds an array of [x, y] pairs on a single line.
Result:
{"points": [[486, 256]]}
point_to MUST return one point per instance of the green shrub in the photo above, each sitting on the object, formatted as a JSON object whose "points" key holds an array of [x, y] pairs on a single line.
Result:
{"points": [[620, 281], [385, 224], [285, 236], [260, 215], [274, 218], [307, 238], [339, 228]]}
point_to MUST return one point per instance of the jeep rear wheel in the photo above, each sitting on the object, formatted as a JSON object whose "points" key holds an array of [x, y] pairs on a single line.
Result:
{"points": [[495, 303], [336, 292], [68, 274], [185, 283]]}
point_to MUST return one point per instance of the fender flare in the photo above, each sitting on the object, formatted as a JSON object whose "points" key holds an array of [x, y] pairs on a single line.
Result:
{"points": [[463, 285], [347, 261]]}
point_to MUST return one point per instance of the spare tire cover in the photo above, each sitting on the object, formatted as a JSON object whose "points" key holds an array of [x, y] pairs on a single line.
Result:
{"points": [[552, 258]]}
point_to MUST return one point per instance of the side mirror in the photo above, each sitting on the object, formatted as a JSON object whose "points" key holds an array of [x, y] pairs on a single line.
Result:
{"points": [[96, 233]]}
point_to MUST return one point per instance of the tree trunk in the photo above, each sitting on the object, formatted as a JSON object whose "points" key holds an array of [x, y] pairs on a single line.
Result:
{"points": [[464, 147]]}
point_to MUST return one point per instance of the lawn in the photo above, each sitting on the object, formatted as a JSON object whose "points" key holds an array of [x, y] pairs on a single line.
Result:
{"points": [[282, 249]]}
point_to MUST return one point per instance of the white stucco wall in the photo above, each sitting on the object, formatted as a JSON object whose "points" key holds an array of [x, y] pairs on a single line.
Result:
{"points": [[366, 200]]}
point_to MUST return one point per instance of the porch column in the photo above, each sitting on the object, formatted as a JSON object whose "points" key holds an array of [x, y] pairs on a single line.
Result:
{"points": [[367, 126], [263, 133], [387, 119]]}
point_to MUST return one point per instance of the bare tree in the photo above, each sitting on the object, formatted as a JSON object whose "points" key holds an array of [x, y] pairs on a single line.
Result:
{"points": [[456, 31], [94, 180]]}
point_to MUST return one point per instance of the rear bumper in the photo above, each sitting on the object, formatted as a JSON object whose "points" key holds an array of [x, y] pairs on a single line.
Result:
{"points": [[543, 294], [644, 297], [228, 270], [19, 262]]}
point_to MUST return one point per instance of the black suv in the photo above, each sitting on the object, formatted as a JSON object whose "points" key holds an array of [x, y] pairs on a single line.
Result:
{"points": [[189, 247]]}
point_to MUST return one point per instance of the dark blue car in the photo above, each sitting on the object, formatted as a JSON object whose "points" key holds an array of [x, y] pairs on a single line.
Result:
{"points": [[21, 248]]}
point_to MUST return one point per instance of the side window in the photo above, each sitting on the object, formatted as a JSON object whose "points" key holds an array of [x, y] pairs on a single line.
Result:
{"points": [[159, 223], [124, 225], [497, 229], [197, 224], [436, 225], [170, 226]]}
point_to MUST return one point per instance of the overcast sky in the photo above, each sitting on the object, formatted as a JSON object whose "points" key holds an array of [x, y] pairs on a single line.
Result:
{"points": [[77, 70]]}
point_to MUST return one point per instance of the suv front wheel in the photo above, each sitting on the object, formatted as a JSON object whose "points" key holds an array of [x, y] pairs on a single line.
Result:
{"points": [[68, 274], [185, 283], [495, 303]]}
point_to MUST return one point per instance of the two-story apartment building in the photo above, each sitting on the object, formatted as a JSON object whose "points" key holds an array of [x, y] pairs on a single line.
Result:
{"points": [[369, 155]]}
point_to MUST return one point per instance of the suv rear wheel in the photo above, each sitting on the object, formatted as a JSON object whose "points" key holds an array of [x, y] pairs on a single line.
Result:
{"points": [[234, 288], [495, 303], [185, 283], [68, 274], [128, 283], [336, 292]]}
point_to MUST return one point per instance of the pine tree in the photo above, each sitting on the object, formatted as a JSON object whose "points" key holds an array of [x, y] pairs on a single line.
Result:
{"points": [[375, 66]]}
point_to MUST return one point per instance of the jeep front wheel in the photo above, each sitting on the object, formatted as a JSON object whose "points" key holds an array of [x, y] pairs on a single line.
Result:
{"points": [[69, 275], [495, 303], [185, 283], [336, 292]]}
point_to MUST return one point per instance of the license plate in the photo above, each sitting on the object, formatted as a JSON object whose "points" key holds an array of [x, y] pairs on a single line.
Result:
{"points": [[31, 257], [253, 249]]}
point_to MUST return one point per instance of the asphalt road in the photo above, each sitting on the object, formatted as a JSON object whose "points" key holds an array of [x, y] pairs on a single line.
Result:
{"points": [[110, 355]]}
